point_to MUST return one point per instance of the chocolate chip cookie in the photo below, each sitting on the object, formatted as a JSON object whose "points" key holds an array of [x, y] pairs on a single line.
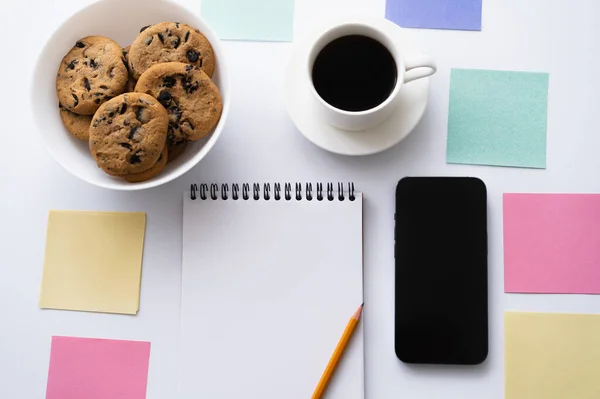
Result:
{"points": [[128, 134], [189, 95], [152, 172], [91, 73], [170, 42], [77, 125]]}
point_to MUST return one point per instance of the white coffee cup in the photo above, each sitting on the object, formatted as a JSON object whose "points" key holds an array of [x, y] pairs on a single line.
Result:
{"points": [[410, 67]]}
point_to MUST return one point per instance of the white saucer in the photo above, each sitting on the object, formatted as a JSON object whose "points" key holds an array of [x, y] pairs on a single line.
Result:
{"points": [[302, 105]]}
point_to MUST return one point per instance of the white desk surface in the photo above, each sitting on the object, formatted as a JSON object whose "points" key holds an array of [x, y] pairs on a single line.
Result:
{"points": [[261, 144]]}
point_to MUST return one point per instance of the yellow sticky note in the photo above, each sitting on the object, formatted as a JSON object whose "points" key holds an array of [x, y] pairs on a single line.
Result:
{"points": [[552, 356], [93, 261]]}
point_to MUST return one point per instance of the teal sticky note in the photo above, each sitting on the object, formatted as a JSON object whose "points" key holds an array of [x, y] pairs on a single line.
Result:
{"points": [[252, 20], [498, 118]]}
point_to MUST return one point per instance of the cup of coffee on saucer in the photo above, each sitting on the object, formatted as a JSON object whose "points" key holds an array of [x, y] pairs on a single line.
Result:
{"points": [[357, 71], [346, 86]]}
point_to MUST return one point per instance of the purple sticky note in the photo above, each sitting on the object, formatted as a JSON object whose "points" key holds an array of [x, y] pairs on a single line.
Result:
{"points": [[97, 369], [435, 14]]}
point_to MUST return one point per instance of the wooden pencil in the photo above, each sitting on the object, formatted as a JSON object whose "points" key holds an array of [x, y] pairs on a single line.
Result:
{"points": [[337, 354]]}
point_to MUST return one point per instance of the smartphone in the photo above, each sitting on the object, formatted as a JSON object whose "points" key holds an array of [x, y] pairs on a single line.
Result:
{"points": [[441, 297]]}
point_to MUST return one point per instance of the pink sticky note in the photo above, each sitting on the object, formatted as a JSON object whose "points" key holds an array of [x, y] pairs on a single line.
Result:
{"points": [[97, 369], [552, 243]]}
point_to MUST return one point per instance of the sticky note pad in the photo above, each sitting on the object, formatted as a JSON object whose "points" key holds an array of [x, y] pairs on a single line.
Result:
{"points": [[552, 243], [97, 369], [93, 261], [552, 356], [256, 20], [435, 14], [498, 118]]}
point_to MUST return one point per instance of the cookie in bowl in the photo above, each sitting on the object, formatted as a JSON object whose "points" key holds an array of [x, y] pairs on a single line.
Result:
{"points": [[170, 42], [77, 125], [152, 172], [91, 73], [128, 134], [191, 98]]}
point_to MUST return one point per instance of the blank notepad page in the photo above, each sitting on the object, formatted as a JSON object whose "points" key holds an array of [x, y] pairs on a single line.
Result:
{"points": [[267, 290]]}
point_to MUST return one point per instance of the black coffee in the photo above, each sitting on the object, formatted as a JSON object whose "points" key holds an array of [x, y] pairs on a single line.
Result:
{"points": [[354, 73]]}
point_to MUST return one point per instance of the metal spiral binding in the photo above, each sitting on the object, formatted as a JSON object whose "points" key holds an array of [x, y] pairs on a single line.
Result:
{"points": [[256, 191], [288, 191], [224, 191], [211, 191], [277, 191]]}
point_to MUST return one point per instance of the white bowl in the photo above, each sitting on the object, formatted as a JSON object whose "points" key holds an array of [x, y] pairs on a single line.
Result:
{"points": [[120, 20]]}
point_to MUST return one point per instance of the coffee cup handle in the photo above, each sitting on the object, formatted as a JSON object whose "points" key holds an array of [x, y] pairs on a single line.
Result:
{"points": [[420, 66]]}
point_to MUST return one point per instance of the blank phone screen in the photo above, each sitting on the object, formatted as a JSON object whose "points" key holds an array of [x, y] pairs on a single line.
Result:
{"points": [[441, 271]]}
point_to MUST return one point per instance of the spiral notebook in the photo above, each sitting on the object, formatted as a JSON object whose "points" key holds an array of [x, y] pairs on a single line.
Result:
{"points": [[271, 276]]}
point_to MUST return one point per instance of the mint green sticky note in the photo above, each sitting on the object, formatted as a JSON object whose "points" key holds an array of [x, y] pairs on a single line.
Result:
{"points": [[498, 118], [252, 20]]}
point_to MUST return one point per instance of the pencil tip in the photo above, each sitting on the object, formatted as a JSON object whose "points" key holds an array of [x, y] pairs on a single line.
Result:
{"points": [[363, 304], [358, 312]]}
